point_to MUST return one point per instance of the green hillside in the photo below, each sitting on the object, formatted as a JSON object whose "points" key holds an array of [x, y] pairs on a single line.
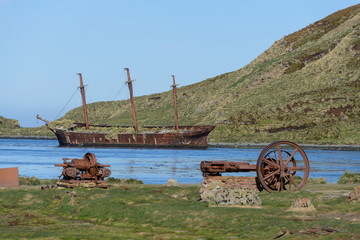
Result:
{"points": [[11, 127], [304, 88], [8, 123]]}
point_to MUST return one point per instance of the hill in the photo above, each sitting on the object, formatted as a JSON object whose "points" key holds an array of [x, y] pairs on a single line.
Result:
{"points": [[9, 123], [11, 127], [304, 88]]}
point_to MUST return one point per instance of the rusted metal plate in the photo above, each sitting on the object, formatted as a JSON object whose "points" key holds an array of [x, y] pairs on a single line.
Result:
{"points": [[9, 177]]}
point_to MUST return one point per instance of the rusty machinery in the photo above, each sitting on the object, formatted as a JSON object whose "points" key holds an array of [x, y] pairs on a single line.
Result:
{"points": [[86, 169], [282, 165]]}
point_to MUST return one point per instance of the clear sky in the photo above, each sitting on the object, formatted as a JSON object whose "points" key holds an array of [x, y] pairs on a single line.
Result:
{"points": [[44, 43]]}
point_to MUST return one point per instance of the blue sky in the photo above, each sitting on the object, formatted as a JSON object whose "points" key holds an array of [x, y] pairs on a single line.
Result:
{"points": [[44, 43]]}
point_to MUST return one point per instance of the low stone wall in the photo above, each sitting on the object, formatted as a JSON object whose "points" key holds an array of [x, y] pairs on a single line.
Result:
{"points": [[229, 190]]}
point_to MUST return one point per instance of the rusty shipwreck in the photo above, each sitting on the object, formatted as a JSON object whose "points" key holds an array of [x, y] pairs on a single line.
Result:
{"points": [[81, 134]]}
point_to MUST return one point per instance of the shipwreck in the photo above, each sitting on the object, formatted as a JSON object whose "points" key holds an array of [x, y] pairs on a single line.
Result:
{"points": [[80, 134]]}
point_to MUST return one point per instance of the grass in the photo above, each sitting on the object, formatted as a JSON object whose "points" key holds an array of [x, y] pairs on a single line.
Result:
{"points": [[20, 131], [320, 28], [155, 212], [112, 180], [34, 181]]}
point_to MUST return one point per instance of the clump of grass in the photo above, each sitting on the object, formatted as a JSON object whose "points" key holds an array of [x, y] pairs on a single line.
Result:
{"points": [[33, 181], [319, 180], [295, 66], [65, 124], [349, 177], [353, 63], [123, 180]]}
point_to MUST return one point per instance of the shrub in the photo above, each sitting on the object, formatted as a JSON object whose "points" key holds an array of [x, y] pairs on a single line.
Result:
{"points": [[32, 181], [123, 180], [319, 180], [134, 181], [349, 177]]}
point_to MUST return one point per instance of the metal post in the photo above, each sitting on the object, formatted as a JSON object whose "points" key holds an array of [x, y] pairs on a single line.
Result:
{"points": [[129, 83], [175, 104], [82, 91]]}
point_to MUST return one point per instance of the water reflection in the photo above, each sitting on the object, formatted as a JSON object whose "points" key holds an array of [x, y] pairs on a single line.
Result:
{"points": [[156, 166]]}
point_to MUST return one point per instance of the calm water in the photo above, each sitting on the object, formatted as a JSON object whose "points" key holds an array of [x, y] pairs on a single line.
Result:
{"points": [[156, 166]]}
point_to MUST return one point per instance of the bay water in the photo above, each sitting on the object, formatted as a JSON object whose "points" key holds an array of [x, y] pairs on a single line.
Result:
{"points": [[155, 166]]}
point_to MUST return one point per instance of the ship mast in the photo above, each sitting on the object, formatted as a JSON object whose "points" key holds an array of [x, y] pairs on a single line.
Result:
{"points": [[82, 91], [175, 104], [129, 83]]}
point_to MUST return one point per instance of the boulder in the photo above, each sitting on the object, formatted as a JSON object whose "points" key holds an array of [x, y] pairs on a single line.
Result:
{"points": [[354, 196], [172, 182]]}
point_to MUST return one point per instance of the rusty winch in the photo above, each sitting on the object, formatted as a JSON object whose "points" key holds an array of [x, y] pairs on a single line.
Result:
{"points": [[215, 168], [85, 170]]}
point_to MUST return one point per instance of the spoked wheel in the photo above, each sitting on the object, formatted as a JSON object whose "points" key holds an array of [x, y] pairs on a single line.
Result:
{"points": [[282, 166]]}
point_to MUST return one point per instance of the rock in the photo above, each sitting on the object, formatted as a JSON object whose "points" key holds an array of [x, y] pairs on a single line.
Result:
{"points": [[302, 203], [208, 190], [71, 193], [172, 182], [87, 184], [329, 196], [231, 196], [215, 185], [178, 195], [354, 196], [47, 187], [345, 195]]}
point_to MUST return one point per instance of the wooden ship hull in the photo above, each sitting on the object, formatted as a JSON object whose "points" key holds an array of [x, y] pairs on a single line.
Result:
{"points": [[186, 136]]}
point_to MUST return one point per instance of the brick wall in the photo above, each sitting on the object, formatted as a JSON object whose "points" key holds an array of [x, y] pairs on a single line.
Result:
{"points": [[212, 182]]}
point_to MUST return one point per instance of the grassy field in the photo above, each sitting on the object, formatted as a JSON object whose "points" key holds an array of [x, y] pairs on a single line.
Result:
{"points": [[161, 212]]}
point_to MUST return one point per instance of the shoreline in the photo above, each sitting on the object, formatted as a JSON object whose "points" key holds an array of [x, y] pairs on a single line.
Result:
{"points": [[28, 137], [340, 147]]}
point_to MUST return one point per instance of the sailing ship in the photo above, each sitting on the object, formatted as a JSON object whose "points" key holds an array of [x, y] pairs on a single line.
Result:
{"points": [[151, 136]]}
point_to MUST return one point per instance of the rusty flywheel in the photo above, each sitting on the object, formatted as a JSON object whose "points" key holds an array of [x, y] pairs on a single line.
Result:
{"points": [[282, 165]]}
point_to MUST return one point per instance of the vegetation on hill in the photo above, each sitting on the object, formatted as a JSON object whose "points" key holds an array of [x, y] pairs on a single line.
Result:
{"points": [[9, 123], [304, 88], [11, 127]]}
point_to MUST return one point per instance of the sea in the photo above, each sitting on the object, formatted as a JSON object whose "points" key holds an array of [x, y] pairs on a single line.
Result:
{"points": [[35, 157]]}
